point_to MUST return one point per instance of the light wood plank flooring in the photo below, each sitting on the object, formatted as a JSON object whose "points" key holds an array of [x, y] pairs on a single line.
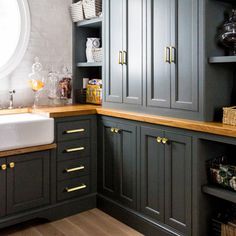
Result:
{"points": [[89, 223]]}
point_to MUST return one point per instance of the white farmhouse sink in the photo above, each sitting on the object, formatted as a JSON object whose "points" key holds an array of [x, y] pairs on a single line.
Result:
{"points": [[25, 130]]}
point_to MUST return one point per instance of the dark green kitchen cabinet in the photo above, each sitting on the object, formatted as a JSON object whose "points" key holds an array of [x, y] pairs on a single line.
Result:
{"points": [[124, 51], [28, 182], [172, 54], [25, 182], [117, 162], [166, 178]]}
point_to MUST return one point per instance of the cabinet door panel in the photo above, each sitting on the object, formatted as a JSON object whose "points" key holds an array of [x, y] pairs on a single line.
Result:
{"points": [[108, 170], [152, 173], [178, 182], [184, 37], [127, 156], [158, 38], [113, 72], [133, 45], [2, 188], [28, 182]]}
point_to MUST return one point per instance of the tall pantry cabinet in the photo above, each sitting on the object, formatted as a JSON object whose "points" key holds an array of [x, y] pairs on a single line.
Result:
{"points": [[156, 57]]}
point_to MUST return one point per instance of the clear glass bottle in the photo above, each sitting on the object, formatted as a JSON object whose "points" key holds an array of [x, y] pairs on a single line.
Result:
{"points": [[65, 86], [53, 86]]}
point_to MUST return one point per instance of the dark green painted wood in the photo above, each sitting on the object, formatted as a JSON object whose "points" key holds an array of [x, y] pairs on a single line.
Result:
{"points": [[133, 76], [28, 183], [117, 158], [127, 164], [152, 173], [3, 188], [178, 181], [114, 44], [158, 38]]}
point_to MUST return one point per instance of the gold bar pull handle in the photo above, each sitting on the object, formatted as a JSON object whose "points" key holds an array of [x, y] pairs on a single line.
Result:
{"points": [[117, 131], [165, 140], [75, 169], [70, 190], [167, 54], [113, 130], [159, 139], [173, 55], [75, 149], [124, 58], [3, 167], [120, 58], [75, 131]]}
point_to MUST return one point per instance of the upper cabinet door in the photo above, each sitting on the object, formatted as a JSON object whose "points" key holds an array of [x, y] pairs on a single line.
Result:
{"points": [[133, 51], [113, 51], [184, 54], [158, 42]]}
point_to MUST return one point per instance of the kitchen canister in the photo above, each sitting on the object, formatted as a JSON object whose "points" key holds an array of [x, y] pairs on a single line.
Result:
{"points": [[91, 44]]}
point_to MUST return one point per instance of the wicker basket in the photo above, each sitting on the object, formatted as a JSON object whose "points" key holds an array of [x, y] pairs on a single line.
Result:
{"points": [[97, 54], [77, 13], [92, 8], [229, 115]]}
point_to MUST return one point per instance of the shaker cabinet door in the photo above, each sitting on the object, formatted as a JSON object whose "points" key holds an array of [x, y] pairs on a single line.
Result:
{"points": [[28, 181], [152, 173], [178, 182], [113, 51], [133, 51], [3, 175], [184, 54], [127, 161], [158, 60], [107, 163]]}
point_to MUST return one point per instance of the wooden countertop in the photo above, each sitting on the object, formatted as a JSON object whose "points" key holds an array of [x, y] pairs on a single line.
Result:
{"points": [[76, 110]]}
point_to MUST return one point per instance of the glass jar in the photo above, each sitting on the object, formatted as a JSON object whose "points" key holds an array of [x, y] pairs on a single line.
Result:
{"points": [[65, 85]]}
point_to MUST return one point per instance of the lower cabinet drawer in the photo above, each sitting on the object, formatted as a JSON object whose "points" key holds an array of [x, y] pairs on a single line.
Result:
{"points": [[73, 149], [73, 188], [72, 169]]}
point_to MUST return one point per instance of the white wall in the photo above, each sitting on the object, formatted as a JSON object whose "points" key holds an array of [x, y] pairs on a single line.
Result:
{"points": [[50, 40]]}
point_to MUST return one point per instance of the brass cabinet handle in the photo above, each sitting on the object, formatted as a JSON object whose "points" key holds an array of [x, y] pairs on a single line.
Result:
{"points": [[167, 54], [165, 140], [74, 131], [12, 165], [159, 139], [75, 169], [120, 58], [70, 190], [172, 55], [124, 58], [75, 149], [3, 167]]}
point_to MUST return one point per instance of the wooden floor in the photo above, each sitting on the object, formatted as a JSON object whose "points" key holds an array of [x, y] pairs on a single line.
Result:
{"points": [[89, 223]]}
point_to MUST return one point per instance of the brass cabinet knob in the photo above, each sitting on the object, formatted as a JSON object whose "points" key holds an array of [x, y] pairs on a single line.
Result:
{"points": [[159, 139], [165, 140], [113, 130], [12, 165], [3, 167], [117, 131]]}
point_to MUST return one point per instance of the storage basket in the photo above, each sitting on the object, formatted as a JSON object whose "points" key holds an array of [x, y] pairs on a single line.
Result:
{"points": [[77, 13], [229, 115], [94, 94], [97, 54], [92, 8], [222, 173]]}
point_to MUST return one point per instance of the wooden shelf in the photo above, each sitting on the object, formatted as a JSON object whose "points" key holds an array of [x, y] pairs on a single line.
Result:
{"points": [[93, 23], [223, 59], [220, 193], [89, 64]]}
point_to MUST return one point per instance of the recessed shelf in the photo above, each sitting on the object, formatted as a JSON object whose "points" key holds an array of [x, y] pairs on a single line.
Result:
{"points": [[223, 59], [220, 193], [89, 64], [92, 23]]}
